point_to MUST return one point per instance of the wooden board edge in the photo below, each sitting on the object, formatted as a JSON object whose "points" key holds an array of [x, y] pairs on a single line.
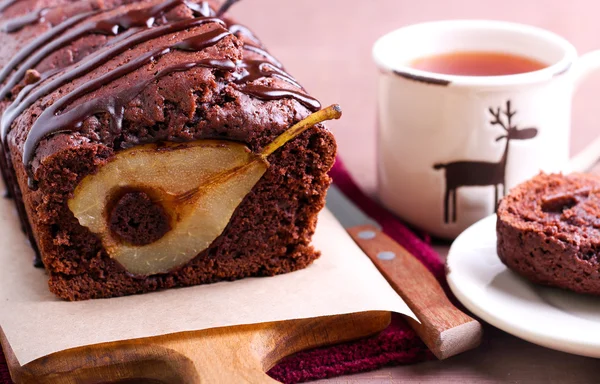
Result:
{"points": [[11, 359], [177, 358]]}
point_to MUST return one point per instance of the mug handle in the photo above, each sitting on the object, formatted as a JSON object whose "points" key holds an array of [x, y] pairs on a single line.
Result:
{"points": [[585, 66]]}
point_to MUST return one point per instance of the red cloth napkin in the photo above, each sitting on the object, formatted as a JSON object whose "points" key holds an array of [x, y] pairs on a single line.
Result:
{"points": [[4, 375], [398, 344]]}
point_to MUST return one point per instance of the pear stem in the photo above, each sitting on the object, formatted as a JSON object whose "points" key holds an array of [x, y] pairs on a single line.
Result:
{"points": [[333, 112]]}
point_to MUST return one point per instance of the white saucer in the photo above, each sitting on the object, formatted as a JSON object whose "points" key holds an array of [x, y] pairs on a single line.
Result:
{"points": [[549, 317]]}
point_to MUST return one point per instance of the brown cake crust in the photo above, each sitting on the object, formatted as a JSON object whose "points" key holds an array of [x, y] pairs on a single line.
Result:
{"points": [[548, 231], [270, 231]]}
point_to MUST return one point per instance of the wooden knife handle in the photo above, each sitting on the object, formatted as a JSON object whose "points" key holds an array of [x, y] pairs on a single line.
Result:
{"points": [[445, 329]]}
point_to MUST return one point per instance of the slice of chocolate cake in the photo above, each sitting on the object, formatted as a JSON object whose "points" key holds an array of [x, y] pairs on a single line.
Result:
{"points": [[153, 144], [549, 231]]}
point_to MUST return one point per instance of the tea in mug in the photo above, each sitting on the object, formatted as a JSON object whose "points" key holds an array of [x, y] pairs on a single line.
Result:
{"points": [[477, 63]]}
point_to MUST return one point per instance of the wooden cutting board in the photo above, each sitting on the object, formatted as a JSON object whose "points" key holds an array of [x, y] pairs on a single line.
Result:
{"points": [[240, 354]]}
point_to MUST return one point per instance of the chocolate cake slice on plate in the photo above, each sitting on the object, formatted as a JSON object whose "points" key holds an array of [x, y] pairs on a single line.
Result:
{"points": [[549, 231], [154, 144]]}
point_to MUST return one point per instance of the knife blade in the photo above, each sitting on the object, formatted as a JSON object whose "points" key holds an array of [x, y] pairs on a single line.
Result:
{"points": [[445, 329], [345, 211]]}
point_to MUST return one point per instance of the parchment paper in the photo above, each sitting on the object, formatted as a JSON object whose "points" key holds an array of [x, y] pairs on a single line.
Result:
{"points": [[36, 323]]}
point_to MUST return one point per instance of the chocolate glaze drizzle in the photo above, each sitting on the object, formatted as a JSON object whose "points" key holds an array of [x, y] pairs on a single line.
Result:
{"points": [[126, 31], [20, 22], [225, 7], [54, 39], [26, 98], [5, 4], [257, 69], [36, 44], [262, 52], [238, 29], [52, 120], [267, 93]]}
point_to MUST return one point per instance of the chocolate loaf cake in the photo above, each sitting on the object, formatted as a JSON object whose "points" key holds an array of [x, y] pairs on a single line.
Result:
{"points": [[151, 144], [549, 231]]}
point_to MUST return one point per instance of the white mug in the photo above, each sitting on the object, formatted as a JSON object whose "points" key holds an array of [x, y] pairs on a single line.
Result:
{"points": [[450, 146]]}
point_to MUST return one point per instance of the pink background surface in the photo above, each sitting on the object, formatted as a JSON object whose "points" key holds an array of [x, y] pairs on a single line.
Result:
{"points": [[326, 44]]}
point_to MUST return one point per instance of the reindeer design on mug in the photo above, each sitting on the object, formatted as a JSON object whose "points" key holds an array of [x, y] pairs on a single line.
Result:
{"points": [[483, 173]]}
